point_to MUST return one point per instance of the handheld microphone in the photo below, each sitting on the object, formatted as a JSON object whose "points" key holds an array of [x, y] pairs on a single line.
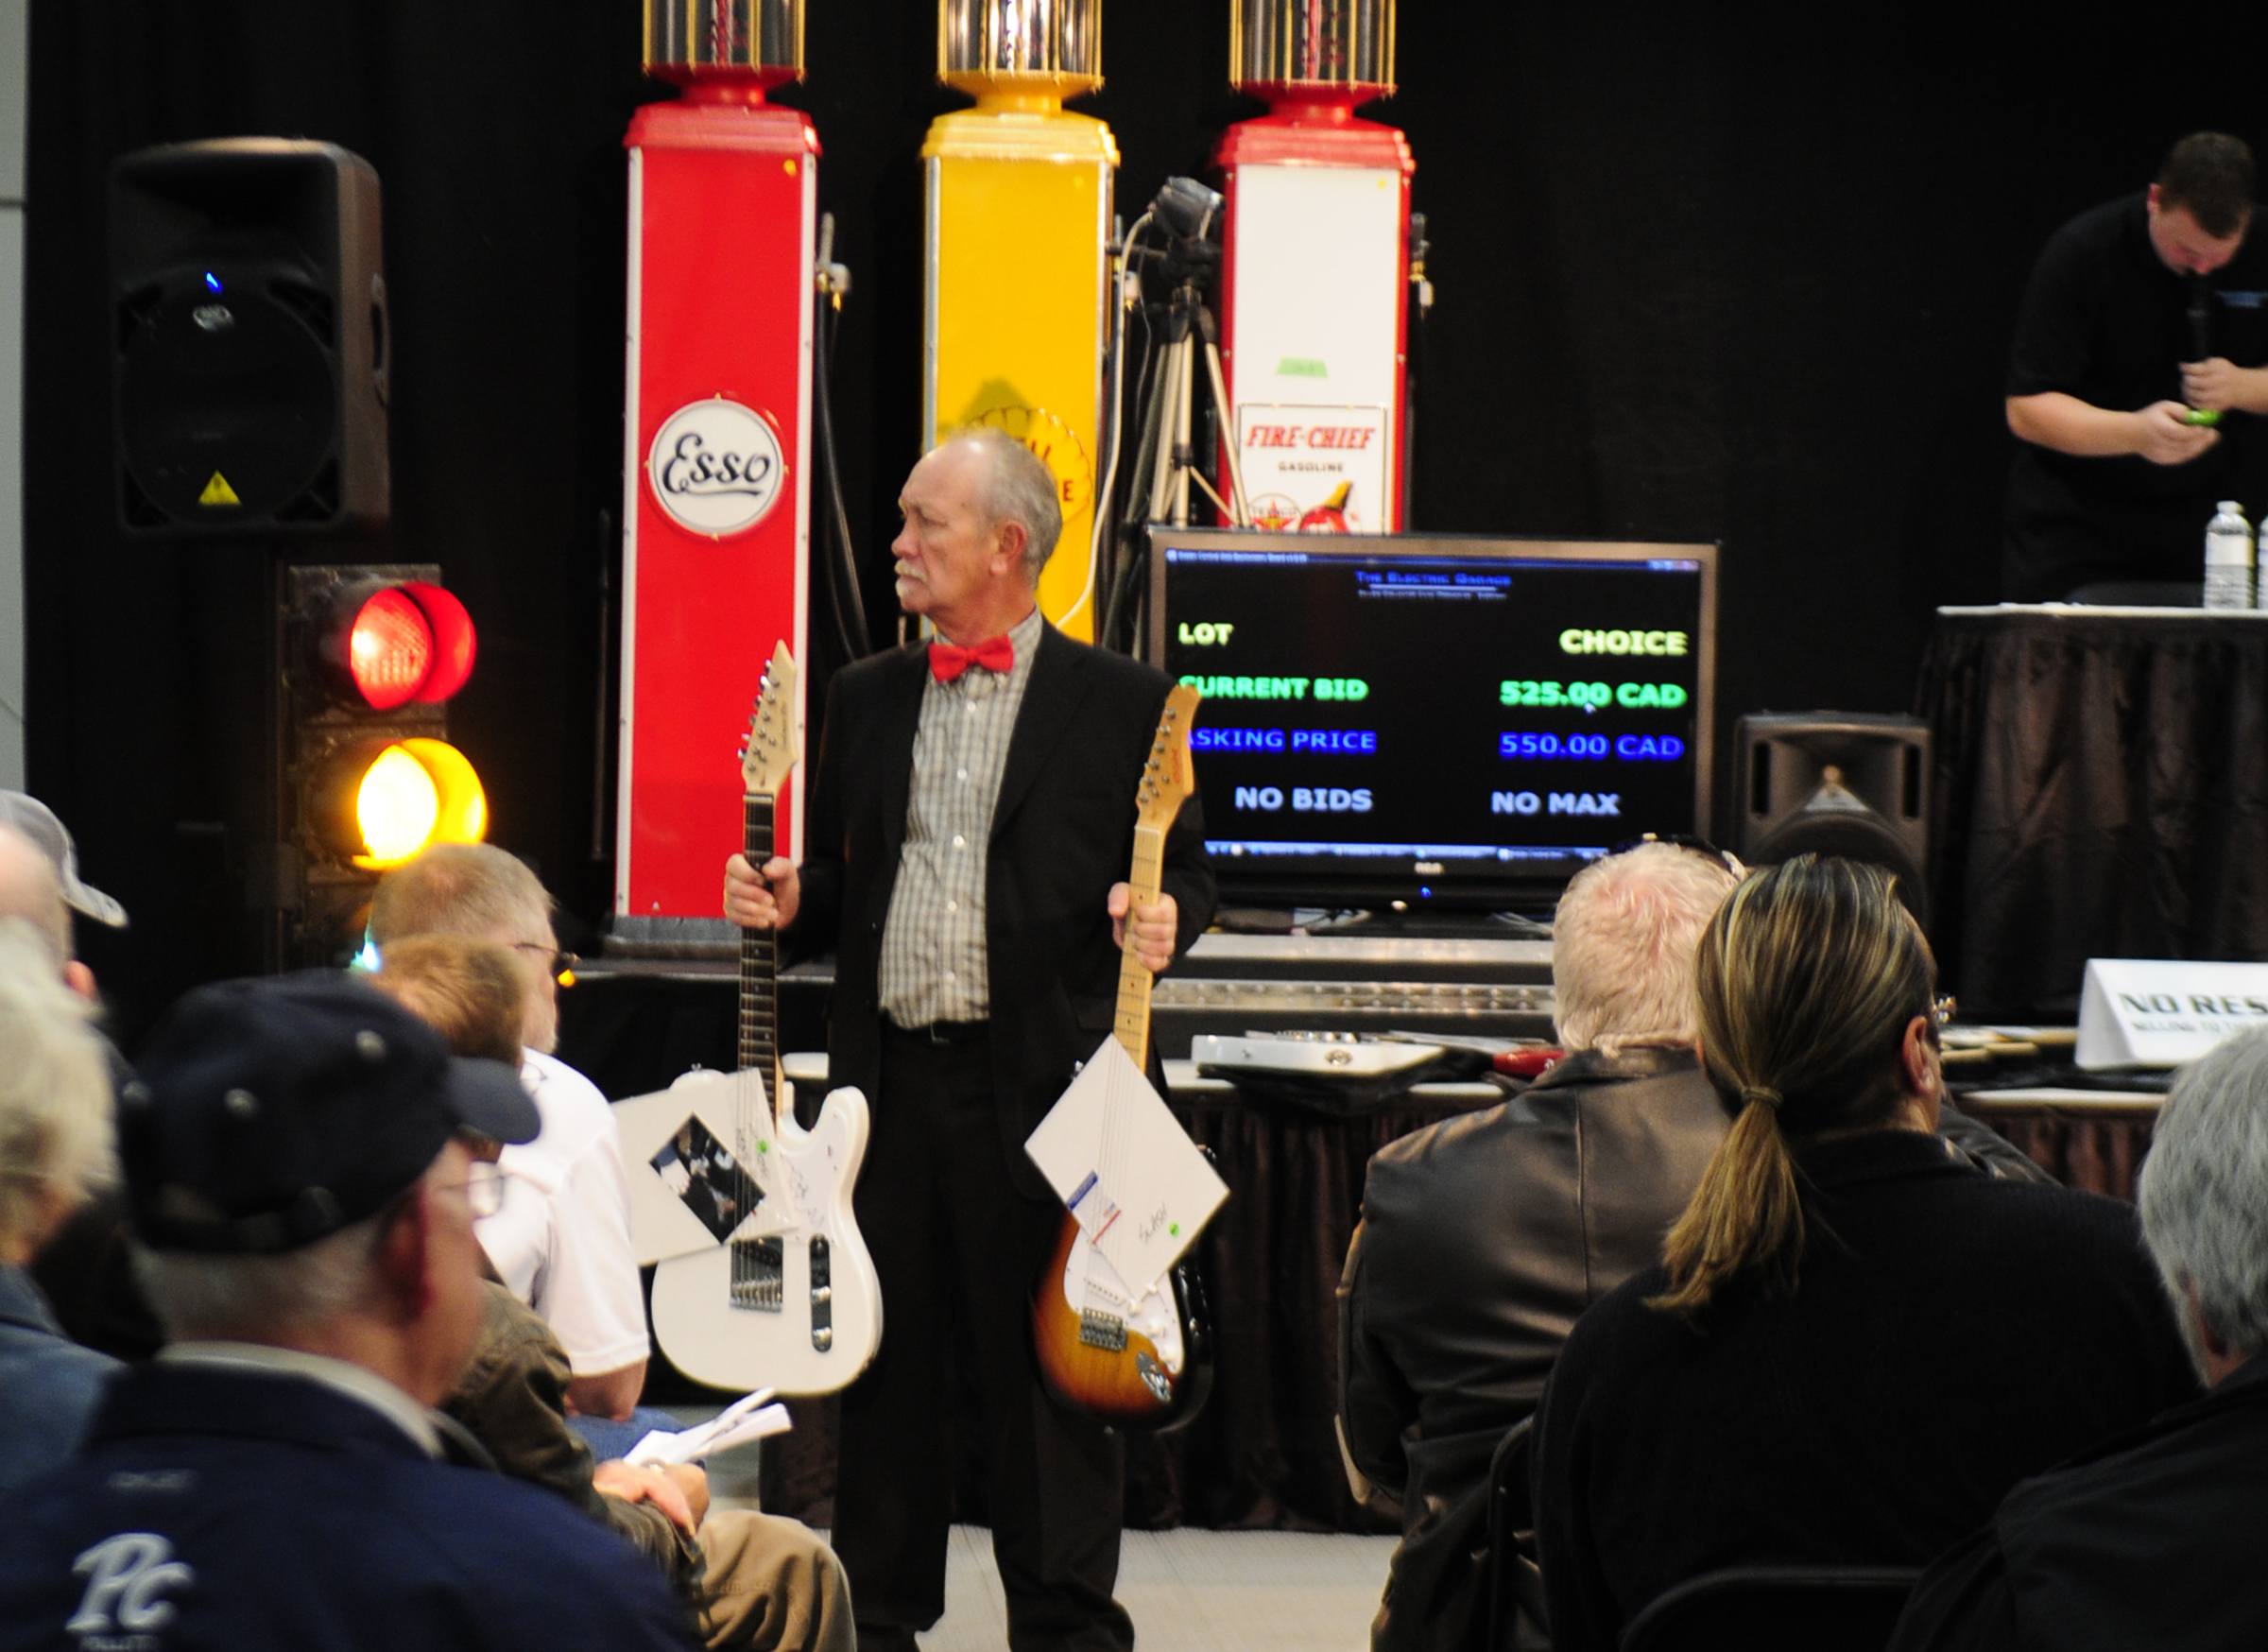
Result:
{"points": [[2201, 343]]}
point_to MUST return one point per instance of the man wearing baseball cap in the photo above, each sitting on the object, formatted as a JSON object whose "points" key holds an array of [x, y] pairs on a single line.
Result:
{"points": [[81, 1266], [40, 883], [302, 1210]]}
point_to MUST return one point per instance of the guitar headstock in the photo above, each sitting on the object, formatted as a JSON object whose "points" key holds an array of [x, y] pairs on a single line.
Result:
{"points": [[1169, 776], [770, 751]]}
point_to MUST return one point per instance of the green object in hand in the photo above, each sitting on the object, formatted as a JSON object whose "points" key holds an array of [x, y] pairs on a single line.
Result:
{"points": [[2201, 415]]}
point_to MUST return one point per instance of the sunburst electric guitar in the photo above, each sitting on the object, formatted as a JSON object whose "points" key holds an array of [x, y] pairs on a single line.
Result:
{"points": [[762, 1279], [1138, 1362]]}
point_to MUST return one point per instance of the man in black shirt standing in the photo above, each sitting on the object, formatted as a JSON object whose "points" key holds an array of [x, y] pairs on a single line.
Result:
{"points": [[2142, 315]]}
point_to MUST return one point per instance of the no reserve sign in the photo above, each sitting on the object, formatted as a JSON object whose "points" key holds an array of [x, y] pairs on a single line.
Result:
{"points": [[717, 467]]}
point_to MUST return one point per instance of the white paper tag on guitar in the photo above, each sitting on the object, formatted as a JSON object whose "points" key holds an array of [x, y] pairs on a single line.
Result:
{"points": [[680, 1147], [1123, 1165]]}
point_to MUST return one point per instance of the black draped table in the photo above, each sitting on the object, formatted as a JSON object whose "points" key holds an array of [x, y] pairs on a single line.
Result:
{"points": [[2100, 789], [2092, 1140]]}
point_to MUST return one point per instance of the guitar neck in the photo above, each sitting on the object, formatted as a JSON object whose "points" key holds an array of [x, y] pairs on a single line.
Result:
{"points": [[1131, 1021], [759, 961]]}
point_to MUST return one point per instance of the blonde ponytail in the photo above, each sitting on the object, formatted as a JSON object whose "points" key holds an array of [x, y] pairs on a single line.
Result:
{"points": [[1745, 1216], [1807, 979]]}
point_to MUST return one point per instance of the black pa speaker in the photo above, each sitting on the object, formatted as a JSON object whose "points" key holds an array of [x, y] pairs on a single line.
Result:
{"points": [[1842, 785], [248, 339]]}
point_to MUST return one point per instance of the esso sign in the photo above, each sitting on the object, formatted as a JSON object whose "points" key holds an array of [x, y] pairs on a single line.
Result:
{"points": [[717, 467]]}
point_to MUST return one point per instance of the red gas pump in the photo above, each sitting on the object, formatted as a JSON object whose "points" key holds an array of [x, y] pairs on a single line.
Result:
{"points": [[717, 436]]}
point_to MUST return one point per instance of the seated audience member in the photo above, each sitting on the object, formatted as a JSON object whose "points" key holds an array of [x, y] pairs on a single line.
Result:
{"points": [[83, 1266], [55, 1149], [1856, 1343], [303, 1212], [563, 1239], [1485, 1235], [756, 1581], [44, 888], [2151, 1541]]}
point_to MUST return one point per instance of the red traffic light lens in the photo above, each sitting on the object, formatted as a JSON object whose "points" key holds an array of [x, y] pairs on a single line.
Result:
{"points": [[390, 650], [453, 641], [409, 642]]}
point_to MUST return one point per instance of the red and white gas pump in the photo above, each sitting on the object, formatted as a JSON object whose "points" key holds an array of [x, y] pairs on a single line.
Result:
{"points": [[717, 438], [1316, 268]]}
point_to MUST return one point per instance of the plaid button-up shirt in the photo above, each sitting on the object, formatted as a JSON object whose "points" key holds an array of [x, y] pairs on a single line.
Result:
{"points": [[934, 962]]}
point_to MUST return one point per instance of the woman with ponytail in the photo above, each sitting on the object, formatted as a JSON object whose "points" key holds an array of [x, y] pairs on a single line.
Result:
{"points": [[1856, 1341]]}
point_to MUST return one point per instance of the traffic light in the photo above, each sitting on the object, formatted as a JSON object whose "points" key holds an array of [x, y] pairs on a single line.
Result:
{"points": [[371, 655]]}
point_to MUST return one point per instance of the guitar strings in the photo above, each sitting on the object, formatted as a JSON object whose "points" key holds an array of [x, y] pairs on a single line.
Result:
{"points": [[1133, 983], [752, 1082]]}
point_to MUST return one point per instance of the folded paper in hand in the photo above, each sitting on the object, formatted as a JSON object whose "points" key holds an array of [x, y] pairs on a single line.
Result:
{"points": [[1124, 1166], [755, 1417]]}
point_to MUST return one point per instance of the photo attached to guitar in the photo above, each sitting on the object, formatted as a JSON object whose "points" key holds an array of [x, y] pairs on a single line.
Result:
{"points": [[699, 1170]]}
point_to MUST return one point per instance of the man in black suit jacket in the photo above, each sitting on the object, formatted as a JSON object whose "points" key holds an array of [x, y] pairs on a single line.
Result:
{"points": [[969, 825]]}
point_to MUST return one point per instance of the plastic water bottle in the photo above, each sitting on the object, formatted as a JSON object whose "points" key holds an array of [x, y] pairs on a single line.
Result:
{"points": [[2228, 558]]}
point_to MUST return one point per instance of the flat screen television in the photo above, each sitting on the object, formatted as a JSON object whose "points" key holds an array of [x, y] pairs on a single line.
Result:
{"points": [[1439, 721]]}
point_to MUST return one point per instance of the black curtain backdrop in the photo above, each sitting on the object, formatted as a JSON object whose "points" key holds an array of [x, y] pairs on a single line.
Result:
{"points": [[1743, 274]]}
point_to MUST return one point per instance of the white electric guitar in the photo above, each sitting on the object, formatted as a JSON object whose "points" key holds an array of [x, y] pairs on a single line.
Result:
{"points": [[762, 1279]]}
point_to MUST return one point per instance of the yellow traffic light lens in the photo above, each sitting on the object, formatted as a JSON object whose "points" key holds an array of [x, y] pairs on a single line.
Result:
{"points": [[416, 793], [397, 808]]}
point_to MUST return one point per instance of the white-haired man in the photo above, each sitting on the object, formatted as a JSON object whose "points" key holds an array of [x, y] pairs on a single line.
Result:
{"points": [[55, 1151], [2154, 1541], [973, 806], [80, 1264], [304, 1211], [1483, 1236]]}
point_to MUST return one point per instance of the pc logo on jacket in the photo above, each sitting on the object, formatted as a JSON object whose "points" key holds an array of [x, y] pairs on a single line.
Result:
{"points": [[128, 1577]]}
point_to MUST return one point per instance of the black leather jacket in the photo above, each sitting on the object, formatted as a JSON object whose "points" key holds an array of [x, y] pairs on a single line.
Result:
{"points": [[1483, 1237]]}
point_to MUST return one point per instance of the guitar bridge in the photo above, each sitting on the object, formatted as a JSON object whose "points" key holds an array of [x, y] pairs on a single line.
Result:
{"points": [[1104, 1331], [758, 1276]]}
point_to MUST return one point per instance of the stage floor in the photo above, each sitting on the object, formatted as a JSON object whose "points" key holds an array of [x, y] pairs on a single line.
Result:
{"points": [[1196, 1591]]}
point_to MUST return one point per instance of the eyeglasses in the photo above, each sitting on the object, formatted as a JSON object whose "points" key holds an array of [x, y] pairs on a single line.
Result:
{"points": [[483, 1188], [559, 961], [1700, 846]]}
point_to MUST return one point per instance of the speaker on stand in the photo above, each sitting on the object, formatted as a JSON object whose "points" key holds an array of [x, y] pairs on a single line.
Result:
{"points": [[248, 353], [1849, 784], [249, 340]]}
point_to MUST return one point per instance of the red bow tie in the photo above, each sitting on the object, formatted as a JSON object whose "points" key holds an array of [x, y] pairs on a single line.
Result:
{"points": [[947, 661]]}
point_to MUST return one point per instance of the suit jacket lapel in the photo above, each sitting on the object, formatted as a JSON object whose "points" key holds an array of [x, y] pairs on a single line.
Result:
{"points": [[901, 719], [1051, 704]]}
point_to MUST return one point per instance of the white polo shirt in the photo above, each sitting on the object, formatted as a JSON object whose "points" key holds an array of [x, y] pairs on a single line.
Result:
{"points": [[561, 1239]]}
